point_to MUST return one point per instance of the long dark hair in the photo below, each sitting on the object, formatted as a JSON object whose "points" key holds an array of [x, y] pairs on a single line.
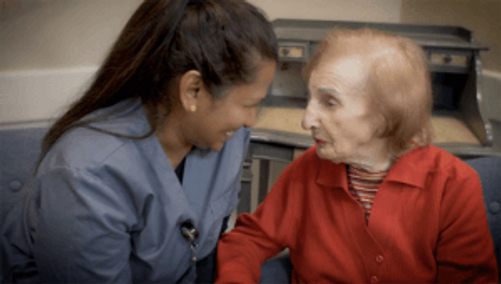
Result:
{"points": [[163, 40]]}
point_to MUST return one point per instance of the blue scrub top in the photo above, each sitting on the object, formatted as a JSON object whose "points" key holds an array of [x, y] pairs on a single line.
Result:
{"points": [[108, 209]]}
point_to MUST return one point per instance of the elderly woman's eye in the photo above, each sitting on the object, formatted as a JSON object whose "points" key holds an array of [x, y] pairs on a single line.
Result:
{"points": [[330, 103]]}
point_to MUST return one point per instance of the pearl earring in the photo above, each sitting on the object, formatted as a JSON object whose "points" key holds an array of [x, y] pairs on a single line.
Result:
{"points": [[193, 108]]}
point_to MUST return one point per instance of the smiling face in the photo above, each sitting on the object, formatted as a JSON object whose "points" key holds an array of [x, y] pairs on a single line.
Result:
{"points": [[215, 120], [338, 113]]}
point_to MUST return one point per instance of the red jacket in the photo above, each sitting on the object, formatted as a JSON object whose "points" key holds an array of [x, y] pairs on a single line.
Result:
{"points": [[428, 224]]}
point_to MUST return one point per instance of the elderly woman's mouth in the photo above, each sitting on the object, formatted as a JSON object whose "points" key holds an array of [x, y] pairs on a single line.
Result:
{"points": [[319, 141]]}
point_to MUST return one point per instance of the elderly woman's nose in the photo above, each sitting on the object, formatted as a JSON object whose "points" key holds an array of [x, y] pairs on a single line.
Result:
{"points": [[310, 118]]}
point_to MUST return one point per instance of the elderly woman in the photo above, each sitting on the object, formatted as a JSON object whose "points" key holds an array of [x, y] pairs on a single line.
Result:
{"points": [[372, 201]]}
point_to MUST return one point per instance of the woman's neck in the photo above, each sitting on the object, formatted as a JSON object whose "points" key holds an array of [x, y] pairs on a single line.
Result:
{"points": [[375, 159], [169, 133], [171, 142], [373, 167]]}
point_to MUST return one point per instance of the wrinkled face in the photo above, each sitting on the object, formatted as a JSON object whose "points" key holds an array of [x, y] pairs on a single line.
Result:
{"points": [[338, 111], [220, 118]]}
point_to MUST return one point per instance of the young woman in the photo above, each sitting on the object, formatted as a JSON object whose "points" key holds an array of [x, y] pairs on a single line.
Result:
{"points": [[136, 180]]}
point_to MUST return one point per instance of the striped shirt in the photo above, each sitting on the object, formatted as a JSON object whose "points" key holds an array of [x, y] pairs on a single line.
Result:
{"points": [[363, 186]]}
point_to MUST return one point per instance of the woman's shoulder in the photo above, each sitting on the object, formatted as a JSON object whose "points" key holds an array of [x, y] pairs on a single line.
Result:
{"points": [[82, 148], [435, 159], [89, 145]]}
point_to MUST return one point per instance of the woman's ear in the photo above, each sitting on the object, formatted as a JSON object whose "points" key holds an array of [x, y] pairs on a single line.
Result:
{"points": [[190, 85]]}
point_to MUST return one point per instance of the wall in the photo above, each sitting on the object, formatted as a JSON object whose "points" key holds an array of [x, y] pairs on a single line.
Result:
{"points": [[49, 50], [59, 33], [62, 33], [352, 10]]}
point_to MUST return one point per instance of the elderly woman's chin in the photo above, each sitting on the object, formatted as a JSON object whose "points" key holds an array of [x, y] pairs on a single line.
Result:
{"points": [[328, 152]]}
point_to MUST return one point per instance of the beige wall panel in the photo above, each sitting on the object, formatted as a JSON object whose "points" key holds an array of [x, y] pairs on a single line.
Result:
{"points": [[346, 10], [67, 33], [59, 33]]}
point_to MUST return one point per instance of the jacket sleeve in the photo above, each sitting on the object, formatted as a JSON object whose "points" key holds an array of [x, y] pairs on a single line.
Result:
{"points": [[465, 251], [259, 236], [82, 233]]}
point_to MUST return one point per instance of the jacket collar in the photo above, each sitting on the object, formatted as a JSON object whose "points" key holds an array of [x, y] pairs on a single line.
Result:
{"points": [[411, 169], [331, 174]]}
